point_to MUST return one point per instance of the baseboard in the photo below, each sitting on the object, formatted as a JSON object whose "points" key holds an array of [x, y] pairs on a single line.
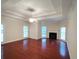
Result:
{"points": [[3, 43]]}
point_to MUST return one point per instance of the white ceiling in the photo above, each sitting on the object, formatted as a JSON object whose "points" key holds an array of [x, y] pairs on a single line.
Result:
{"points": [[43, 9]]}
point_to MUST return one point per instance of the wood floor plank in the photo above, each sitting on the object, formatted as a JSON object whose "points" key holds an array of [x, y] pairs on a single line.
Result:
{"points": [[35, 49]]}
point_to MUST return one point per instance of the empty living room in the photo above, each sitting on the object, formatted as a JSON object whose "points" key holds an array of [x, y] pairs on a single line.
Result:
{"points": [[38, 29]]}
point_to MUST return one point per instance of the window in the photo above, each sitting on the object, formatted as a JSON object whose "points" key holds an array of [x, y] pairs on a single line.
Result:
{"points": [[25, 31], [1, 32], [63, 33], [44, 29]]}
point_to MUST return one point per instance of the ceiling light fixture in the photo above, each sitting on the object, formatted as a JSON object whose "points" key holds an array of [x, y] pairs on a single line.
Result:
{"points": [[31, 20], [30, 9]]}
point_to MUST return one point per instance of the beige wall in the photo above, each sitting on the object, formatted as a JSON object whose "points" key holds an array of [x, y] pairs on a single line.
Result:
{"points": [[13, 29]]}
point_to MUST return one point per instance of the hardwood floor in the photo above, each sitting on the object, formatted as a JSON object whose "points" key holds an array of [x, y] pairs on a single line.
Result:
{"points": [[35, 49]]}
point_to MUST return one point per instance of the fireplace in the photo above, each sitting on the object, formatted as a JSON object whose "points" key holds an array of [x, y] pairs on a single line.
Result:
{"points": [[52, 35]]}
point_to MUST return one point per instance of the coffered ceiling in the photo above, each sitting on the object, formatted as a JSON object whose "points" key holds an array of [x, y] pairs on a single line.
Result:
{"points": [[39, 9]]}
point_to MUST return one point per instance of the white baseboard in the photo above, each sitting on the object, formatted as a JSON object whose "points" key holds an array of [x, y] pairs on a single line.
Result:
{"points": [[10, 41]]}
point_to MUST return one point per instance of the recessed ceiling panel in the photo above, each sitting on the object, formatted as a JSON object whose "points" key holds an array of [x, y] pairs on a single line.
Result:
{"points": [[34, 8]]}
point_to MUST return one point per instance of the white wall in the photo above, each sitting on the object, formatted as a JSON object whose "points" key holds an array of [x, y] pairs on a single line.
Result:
{"points": [[72, 33], [51, 27], [13, 29], [34, 30], [71, 36], [62, 23]]}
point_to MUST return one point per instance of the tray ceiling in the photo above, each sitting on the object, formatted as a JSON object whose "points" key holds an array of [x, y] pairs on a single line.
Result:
{"points": [[25, 9]]}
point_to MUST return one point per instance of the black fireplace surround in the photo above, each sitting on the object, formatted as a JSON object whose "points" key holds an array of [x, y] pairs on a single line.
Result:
{"points": [[53, 35]]}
